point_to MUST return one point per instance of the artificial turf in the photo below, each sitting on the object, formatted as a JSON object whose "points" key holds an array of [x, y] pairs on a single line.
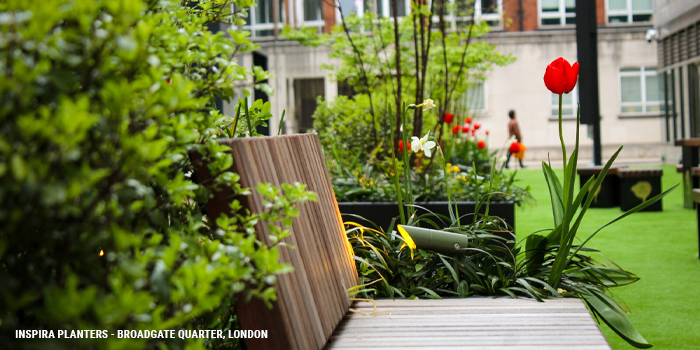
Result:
{"points": [[660, 247]]}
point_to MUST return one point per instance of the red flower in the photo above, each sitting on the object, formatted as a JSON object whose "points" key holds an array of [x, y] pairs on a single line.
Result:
{"points": [[560, 77], [449, 117], [468, 120], [514, 147], [474, 132], [481, 144], [465, 128], [401, 145], [487, 132], [477, 126], [455, 129]]}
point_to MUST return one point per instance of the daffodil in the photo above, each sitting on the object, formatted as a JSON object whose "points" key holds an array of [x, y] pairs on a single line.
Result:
{"points": [[422, 144], [427, 104]]}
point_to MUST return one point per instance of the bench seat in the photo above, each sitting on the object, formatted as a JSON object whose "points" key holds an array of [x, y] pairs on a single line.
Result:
{"points": [[312, 310], [470, 323]]}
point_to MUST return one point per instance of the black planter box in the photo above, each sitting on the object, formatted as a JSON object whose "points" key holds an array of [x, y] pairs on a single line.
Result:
{"points": [[637, 185], [381, 213], [609, 194]]}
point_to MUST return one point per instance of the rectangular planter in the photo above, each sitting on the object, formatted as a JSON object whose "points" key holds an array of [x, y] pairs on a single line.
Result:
{"points": [[608, 195], [638, 185], [381, 213]]}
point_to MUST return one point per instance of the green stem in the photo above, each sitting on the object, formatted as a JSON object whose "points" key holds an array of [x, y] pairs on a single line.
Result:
{"points": [[561, 134], [407, 168], [397, 186], [247, 116]]}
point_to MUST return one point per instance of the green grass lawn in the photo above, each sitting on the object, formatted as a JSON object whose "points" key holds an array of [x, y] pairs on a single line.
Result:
{"points": [[660, 247]]}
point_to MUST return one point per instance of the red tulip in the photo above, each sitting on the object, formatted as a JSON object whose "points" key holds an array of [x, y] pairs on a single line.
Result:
{"points": [[468, 120], [465, 128], [474, 132], [455, 129], [481, 144], [560, 77], [514, 147], [487, 132], [449, 117], [477, 126], [401, 145]]}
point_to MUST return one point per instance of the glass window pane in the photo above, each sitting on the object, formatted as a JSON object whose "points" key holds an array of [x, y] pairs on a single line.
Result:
{"points": [[617, 4], [653, 108], [555, 100], [374, 6], [400, 8], [566, 99], [617, 19], [631, 89], [631, 109], [551, 21], [349, 7], [630, 69], [653, 91], [555, 111], [475, 97], [642, 18], [263, 11], [312, 10], [550, 5], [570, 20], [641, 5], [489, 6], [570, 5], [566, 111]]}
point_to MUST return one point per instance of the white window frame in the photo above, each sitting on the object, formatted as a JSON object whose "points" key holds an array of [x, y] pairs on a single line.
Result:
{"points": [[451, 19], [485, 107], [386, 8], [574, 104], [627, 12], [319, 23], [561, 15], [254, 27], [643, 73]]}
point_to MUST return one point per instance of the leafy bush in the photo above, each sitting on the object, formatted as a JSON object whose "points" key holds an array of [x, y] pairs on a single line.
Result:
{"points": [[102, 227]]}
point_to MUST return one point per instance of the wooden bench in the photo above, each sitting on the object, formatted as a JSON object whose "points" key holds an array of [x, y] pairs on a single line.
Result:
{"points": [[312, 310]]}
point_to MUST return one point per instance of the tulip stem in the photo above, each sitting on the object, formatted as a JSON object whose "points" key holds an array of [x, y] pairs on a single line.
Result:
{"points": [[561, 135]]}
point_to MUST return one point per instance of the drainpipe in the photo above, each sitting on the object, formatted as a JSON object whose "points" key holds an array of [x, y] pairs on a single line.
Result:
{"points": [[521, 14]]}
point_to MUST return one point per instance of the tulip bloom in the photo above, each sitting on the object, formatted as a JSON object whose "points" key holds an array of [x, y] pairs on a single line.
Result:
{"points": [[477, 126], [514, 147], [455, 129], [560, 76], [468, 120], [465, 129], [401, 146], [449, 118], [487, 133], [481, 144]]}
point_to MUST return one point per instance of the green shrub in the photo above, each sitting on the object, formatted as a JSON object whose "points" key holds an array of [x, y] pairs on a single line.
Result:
{"points": [[101, 226]]}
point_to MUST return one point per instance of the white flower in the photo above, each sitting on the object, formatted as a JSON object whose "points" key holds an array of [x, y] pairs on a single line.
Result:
{"points": [[427, 104], [422, 144]]}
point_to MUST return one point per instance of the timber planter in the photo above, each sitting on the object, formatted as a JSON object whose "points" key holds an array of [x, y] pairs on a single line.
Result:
{"points": [[381, 213]]}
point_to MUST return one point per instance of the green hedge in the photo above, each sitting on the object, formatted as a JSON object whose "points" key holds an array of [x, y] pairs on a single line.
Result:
{"points": [[101, 226]]}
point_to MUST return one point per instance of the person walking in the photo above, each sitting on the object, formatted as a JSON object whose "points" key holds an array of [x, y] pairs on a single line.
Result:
{"points": [[514, 131]]}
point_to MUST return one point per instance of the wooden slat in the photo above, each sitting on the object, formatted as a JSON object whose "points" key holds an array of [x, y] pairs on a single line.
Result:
{"points": [[472, 323], [312, 300]]}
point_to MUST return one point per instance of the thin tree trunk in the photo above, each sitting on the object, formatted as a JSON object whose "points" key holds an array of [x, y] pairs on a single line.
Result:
{"points": [[397, 46]]}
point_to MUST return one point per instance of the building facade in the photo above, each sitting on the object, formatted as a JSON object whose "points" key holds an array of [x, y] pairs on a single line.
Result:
{"points": [[677, 27], [535, 32]]}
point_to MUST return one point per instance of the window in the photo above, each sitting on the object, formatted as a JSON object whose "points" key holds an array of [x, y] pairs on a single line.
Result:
{"points": [[640, 90], [557, 12], [310, 13], [260, 20], [382, 8], [305, 93], [569, 103], [345, 89], [475, 97], [460, 11], [630, 11]]}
